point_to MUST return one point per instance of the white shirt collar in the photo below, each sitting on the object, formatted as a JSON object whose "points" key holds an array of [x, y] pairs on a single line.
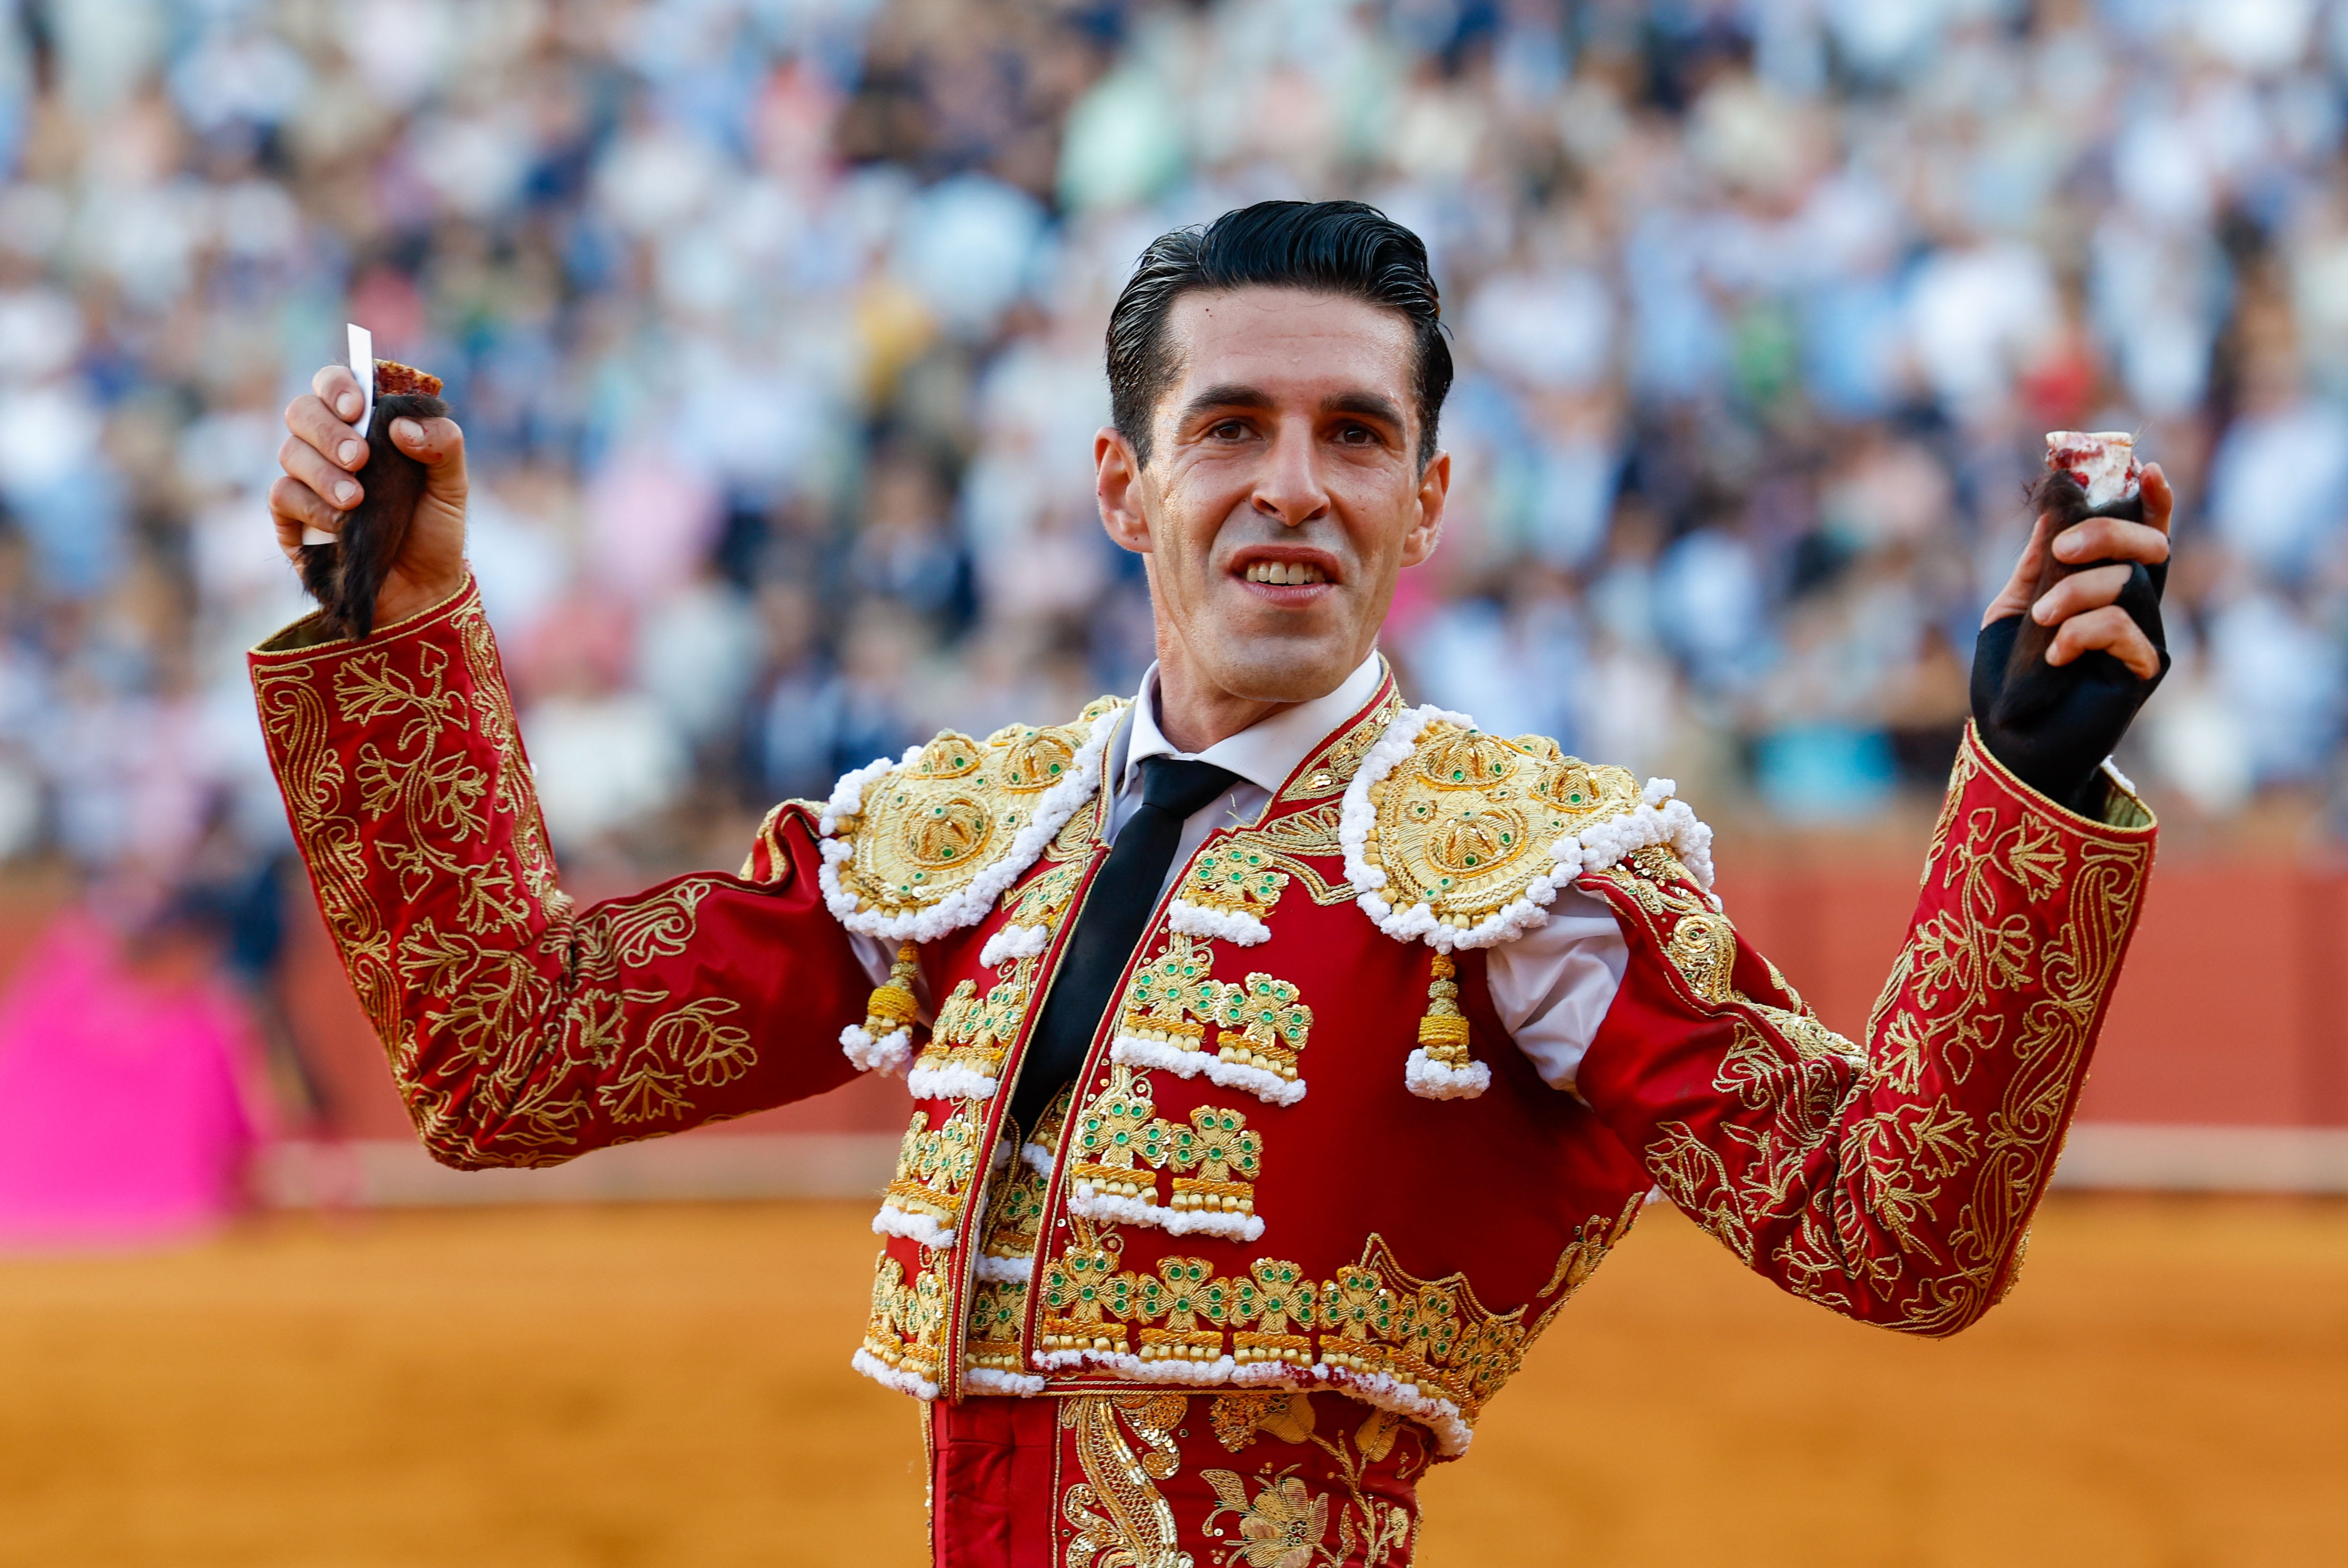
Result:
{"points": [[1266, 753]]}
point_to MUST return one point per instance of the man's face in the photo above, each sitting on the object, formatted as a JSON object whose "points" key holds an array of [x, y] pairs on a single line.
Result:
{"points": [[1283, 495]]}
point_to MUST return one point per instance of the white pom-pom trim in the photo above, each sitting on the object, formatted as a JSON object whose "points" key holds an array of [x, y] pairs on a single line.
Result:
{"points": [[1657, 819], [1233, 925], [969, 904], [1182, 1061], [892, 1221], [1431, 1080], [2118, 777], [987, 1380], [1268, 1087], [887, 1054], [1122, 1210], [994, 1270], [888, 1377], [954, 1081], [1038, 1158], [1010, 943], [1198, 1374], [1189, 1061]]}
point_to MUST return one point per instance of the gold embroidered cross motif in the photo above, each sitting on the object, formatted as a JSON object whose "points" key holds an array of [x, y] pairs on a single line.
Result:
{"points": [[1185, 1291], [1109, 1139], [972, 1035], [935, 1166], [1360, 1310], [1227, 1155], [1265, 1027], [1228, 891], [1275, 1294], [1167, 1004], [1083, 1292]]}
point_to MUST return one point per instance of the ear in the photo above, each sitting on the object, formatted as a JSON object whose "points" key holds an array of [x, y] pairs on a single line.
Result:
{"points": [[1116, 486], [1426, 529]]}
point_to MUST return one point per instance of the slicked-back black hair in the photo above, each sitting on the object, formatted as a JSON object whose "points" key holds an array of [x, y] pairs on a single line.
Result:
{"points": [[1346, 248]]}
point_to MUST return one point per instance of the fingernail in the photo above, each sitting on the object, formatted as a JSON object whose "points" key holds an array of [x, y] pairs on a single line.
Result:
{"points": [[349, 405], [2042, 612], [346, 494], [349, 452], [407, 431]]}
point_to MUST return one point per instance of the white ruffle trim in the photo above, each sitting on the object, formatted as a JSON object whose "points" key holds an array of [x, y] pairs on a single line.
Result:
{"points": [[1431, 1080], [2118, 777], [892, 1221], [969, 904], [955, 1080], [1124, 1364], [1038, 1158], [1122, 1210], [993, 1269], [1270, 1088], [887, 1054], [1657, 820], [888, 1377], [987, 1380], [1233, 926], [1010, 943], [1382, 1389], [1180, 1060]]}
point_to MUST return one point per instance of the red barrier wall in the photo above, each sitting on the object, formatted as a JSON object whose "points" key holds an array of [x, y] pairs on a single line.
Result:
{"points": [[2228, 1013]]}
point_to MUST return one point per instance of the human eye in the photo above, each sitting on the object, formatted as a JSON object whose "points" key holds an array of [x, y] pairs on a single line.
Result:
{"points": [[1228, 431]]}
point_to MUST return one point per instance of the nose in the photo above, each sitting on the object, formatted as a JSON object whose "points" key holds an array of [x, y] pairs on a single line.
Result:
{"points": [[1290, 490]]}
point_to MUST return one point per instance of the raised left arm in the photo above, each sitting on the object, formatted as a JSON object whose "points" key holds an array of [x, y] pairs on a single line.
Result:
{"points": [[1891, 1181]]}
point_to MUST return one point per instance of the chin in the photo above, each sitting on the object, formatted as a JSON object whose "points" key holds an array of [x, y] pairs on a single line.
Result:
{"points": [[1280, 669]]}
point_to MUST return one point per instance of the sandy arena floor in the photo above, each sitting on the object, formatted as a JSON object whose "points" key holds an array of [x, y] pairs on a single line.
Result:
{"points": [[534, 1388]]}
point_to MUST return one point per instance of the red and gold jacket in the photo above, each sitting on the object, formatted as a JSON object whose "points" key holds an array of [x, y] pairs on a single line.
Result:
{"points": [[1302, 1151]]}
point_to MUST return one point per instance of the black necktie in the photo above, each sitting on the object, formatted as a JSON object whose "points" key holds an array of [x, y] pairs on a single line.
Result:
{"points": [[1115, 914]]}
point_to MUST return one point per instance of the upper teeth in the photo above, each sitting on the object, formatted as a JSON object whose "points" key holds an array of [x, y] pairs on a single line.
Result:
{"points": [[1287, 574]]}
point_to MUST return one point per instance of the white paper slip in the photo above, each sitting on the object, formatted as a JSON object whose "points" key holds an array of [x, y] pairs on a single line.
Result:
{"points": [[362, 344], [363, 366]]}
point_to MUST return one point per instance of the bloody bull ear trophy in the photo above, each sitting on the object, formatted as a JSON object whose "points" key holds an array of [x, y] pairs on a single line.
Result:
{"points": [[345, 574], [2087, 475]]}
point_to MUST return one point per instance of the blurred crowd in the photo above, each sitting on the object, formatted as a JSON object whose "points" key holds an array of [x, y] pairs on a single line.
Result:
{"points": [[775, 329]]}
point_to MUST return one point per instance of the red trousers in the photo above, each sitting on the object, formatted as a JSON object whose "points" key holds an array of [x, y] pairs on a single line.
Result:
{"points": [[1156, 1480]]}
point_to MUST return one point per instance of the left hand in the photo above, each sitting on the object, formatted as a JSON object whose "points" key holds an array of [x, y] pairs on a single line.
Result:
{"points": [[2084, 606]]}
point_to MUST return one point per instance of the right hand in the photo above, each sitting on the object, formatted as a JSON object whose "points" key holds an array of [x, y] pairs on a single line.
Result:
{"points": [[323, 452]]}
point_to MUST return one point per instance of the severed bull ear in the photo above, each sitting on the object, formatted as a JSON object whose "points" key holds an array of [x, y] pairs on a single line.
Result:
{"points": [[345, 576]]}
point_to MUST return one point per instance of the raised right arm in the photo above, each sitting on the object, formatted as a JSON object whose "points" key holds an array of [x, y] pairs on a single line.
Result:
{"points": [[522, 1030]]}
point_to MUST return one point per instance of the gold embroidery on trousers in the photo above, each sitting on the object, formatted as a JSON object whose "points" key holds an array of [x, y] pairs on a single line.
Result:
{"points": [[1121, 1519]]}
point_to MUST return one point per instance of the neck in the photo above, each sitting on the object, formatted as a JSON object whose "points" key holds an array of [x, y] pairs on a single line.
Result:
{"points": [[1194, 713]]}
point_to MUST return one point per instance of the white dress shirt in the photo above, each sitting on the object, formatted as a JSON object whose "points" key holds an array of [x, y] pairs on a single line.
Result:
{"points": [[1550, 987]]}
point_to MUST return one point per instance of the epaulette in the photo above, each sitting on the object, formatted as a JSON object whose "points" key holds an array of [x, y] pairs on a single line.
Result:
{"points": [[923, 845], [1460, 839]]}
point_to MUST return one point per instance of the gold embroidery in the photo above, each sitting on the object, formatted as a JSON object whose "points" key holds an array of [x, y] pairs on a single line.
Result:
{"points": [[1443, 1030], [1263, 1025], [925, 829], [1285, 1524], [1121, 1519], [1109, 1137], [1234, 877], [1299, 834], [1169, 999], [891, 1005], [1226, 1153], [1329, 772], [935, 1166], [902, 1332], [1464, 823], [975, 1032], [1835, 1143], [996, 1309]]}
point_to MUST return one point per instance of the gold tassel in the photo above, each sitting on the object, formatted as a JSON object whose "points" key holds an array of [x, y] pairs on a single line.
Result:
{"points": [[1443, 1031], [891, 1006]]}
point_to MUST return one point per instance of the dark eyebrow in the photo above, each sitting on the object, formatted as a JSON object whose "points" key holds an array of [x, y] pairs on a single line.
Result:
{"points": [[1367, 405], [1233, 395], [1229, 394]]}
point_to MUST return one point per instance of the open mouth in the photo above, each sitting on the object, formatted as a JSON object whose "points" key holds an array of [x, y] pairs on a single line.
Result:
{"points": [[1284, 573]]}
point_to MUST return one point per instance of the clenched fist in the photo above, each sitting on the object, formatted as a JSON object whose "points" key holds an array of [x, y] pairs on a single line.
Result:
{"points": [[324, 458]]}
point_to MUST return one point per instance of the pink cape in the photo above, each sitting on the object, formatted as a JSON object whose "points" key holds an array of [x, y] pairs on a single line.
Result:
{"points": [[125, 1114]]}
